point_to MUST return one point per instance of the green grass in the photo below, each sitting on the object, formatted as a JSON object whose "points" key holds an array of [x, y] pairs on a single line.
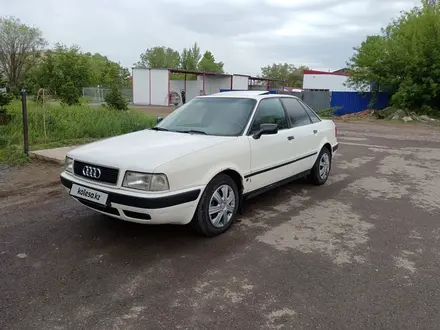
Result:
{"points": [[56, 126], [328, 113]]}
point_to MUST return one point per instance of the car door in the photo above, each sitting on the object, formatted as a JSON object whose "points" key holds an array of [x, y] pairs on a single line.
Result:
{"points": [[316, 123], [304, 133], [269, 153]]}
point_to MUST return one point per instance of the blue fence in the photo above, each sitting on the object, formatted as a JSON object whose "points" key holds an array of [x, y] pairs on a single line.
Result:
{"points": [[351, 102]]}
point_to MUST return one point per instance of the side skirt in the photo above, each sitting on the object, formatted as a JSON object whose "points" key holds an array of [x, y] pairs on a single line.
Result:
{"points": [[272, 186]]}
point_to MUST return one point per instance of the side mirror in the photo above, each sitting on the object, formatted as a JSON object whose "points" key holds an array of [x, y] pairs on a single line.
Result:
{"points": [[159, 119], [266, 129]]}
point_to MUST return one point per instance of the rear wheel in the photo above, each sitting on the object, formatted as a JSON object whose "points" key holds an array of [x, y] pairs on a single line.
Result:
{"points": [[321, 169], [217, 208]]}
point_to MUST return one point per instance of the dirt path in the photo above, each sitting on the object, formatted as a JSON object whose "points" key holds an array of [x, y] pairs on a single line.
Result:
{"points": [[25, 185]]}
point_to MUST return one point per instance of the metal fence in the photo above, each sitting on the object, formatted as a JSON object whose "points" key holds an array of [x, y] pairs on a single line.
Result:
{"points": [[346, 102], [351, 102], [257, 87], [297, 94], [317, 100], [97, 94]]}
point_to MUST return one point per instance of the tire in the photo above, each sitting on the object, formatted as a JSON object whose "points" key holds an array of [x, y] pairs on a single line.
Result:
{"points": [[322, 167], [211, 225]]}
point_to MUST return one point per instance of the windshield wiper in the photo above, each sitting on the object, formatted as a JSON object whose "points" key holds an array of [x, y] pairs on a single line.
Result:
{"points": [[158, 128], [193, 131]]}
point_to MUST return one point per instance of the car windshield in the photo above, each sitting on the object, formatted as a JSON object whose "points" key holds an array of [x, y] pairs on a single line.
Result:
{"points": [[211, 116]]}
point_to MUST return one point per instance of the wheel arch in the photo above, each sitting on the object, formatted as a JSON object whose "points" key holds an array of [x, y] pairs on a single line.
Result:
{"points": [[238, 179], [328, 146], [324, 144], [233, 174], [231, 171]]}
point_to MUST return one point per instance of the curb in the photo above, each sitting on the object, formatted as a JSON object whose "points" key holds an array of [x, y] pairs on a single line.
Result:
{"points": [[48, 159], [55, 155]]}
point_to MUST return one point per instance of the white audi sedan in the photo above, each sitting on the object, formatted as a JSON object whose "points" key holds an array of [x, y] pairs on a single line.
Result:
{"points": [[200, 163]]}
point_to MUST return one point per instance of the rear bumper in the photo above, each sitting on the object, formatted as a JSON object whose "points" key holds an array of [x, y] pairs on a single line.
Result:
{"points": [[176, 208], [335, 147]]}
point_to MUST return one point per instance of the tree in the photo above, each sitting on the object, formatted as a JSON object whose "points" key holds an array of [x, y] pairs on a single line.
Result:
{"points": [[159, 57], [64, 71], [107, 73], [208, 63], [20, 48], [69, 93], [404, 59], [283, 71], [190, 58]]}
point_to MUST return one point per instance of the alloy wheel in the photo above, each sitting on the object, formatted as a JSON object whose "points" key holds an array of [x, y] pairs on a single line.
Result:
{"points": [[324, 166], [221, 206]]}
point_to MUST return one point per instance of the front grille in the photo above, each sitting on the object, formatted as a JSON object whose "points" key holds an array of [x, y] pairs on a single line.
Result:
{"points": [[108, 175]]}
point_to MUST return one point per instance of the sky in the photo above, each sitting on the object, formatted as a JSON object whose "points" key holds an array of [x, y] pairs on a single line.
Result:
{"points": [[244, 34]]}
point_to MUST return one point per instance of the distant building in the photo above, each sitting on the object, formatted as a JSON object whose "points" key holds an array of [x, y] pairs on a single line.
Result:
{"points": [[326, 81], [343, 70], [293, 89]]}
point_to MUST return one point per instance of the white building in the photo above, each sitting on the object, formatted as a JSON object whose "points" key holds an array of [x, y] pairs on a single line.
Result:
{"points": [[329, 81], [155, 86]]}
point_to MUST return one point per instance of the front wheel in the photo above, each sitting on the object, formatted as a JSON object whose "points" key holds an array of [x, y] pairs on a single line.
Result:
{"points": [[217, 207], [321, 169]]}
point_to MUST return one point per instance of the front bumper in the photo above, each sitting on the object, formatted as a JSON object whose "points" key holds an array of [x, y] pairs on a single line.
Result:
{"points": [[175, 208]]}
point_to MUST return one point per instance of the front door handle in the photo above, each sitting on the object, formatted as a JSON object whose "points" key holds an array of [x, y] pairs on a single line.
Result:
{"points": [[290, 138], [315, 131]]}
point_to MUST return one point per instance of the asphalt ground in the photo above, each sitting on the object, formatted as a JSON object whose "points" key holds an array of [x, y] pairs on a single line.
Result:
{"points": [[361, 252]]}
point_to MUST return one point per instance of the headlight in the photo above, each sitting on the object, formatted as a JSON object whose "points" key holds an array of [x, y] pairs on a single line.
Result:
{"points": [[68, 164], [144, 181]]}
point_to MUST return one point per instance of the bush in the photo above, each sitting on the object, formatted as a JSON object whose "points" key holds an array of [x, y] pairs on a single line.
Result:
{"points": [[329, 112], [69, 94], [85, 100], [15, 92], [5, 99], [115, 100]]}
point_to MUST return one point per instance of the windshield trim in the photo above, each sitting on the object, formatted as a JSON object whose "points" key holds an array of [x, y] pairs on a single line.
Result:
{"points": [[246, 122]]}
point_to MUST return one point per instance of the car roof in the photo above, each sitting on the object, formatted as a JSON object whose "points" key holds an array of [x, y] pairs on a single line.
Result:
{"points": [[257, 95]]}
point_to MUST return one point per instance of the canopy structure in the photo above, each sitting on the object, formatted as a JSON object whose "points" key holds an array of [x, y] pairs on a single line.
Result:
{"points": [[171, 87]]}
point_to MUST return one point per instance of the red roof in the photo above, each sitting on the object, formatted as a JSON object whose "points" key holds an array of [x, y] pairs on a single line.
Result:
{"points": [[315, 72]]}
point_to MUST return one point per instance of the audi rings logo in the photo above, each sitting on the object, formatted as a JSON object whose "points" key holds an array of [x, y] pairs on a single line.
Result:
{"points": [[91, 172]]}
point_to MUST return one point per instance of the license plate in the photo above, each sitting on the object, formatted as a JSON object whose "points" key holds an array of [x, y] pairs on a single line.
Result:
{"points": [[89, 194]]}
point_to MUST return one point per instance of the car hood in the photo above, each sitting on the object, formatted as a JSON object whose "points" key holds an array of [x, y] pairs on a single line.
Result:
{"points": [[144, 150]]}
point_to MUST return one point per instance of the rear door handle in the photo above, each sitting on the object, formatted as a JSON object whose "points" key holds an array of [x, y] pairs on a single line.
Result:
{"points": [[290, 138], [315, 131]]}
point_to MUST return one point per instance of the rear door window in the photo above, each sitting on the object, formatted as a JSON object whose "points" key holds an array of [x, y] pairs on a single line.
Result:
{"points": [[297, 114], [310, 112]]}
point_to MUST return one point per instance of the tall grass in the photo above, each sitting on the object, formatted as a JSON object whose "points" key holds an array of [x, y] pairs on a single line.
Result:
{"points": [[56, 125]]}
